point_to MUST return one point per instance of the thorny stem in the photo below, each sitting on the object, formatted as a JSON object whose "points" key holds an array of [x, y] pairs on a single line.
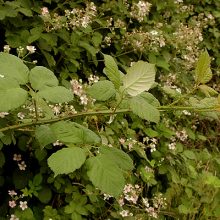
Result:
{"points": [[102, 112]]}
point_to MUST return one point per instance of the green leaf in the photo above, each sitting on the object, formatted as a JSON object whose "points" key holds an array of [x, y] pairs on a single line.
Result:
{"points": [[70, 132], [45, 195], [41, 77], [102, 90], [44, 135], [208, 91], [66, 160], [14, 68], [106, 175], [2, 159], [111, 71], [42, 104], [143, 109], [189, 154], [212, 180], [150, 99], [8, 83], [203, 73], [12, 98], [139, 78], [119, 157], [92, 50], [58, 94]]}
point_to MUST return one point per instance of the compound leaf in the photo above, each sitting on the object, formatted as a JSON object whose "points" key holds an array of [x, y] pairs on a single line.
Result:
{"points": [[139, 78], [105, 174], [12, 98], [102, 90], [118, 156], [58, 94], [111, 71], [203, 73], [14, 68], [66, 160], [141, 107], [41, 77]]}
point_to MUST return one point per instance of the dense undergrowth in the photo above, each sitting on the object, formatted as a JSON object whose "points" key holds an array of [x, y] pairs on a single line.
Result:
{"points": [[109, 109]]}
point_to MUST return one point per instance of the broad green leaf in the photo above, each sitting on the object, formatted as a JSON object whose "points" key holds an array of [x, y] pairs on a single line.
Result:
{"points": [[119, 157], [189, 154], [111, 71], [139, 78], [105, 174], [66, 160], [45, 195], [41, 77], [150, 99], [44, 135], [143, 109], [92, 50], [12, 98], [26, 214], [70, 132], [212, 180], [8, 83], [102, 90], [58, 94], [208, 91], [14, 68], [43, 105], [203, 73]]}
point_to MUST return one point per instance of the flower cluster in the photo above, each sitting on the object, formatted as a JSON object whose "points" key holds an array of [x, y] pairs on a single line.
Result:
{"points": [[21, 164], [151, 143], [130, 194], [140, 10], [141, 40], [78, 90], [62, 109], [158, 203], [72, 19], [182, 135], [13, 202]]}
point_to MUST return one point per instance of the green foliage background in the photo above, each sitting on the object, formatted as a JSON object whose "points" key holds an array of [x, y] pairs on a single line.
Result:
{"points": [[158, 89]]}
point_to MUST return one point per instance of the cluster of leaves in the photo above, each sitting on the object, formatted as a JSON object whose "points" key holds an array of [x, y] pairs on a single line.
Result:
{"points": [[139, 129]]}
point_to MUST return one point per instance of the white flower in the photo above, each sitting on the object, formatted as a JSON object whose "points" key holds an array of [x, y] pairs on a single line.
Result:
{"points": [[124, 213], [2, 76], [20, 115], [23, 205], [17, 157], [22, 165], [12, 203], [153, 32], [13, 217], [12, 193], [31, 49], [44, 11], [3, 114], [7, 48]]}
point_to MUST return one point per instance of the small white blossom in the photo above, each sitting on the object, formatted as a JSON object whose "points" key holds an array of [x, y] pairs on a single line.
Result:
{"points": [[7, 48], [12, 193], [44, 11], [20, 115], [22, 165], [23, 205], [17, 157], [31, 49], [13, 217], [12, 203], [3, 114]]}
